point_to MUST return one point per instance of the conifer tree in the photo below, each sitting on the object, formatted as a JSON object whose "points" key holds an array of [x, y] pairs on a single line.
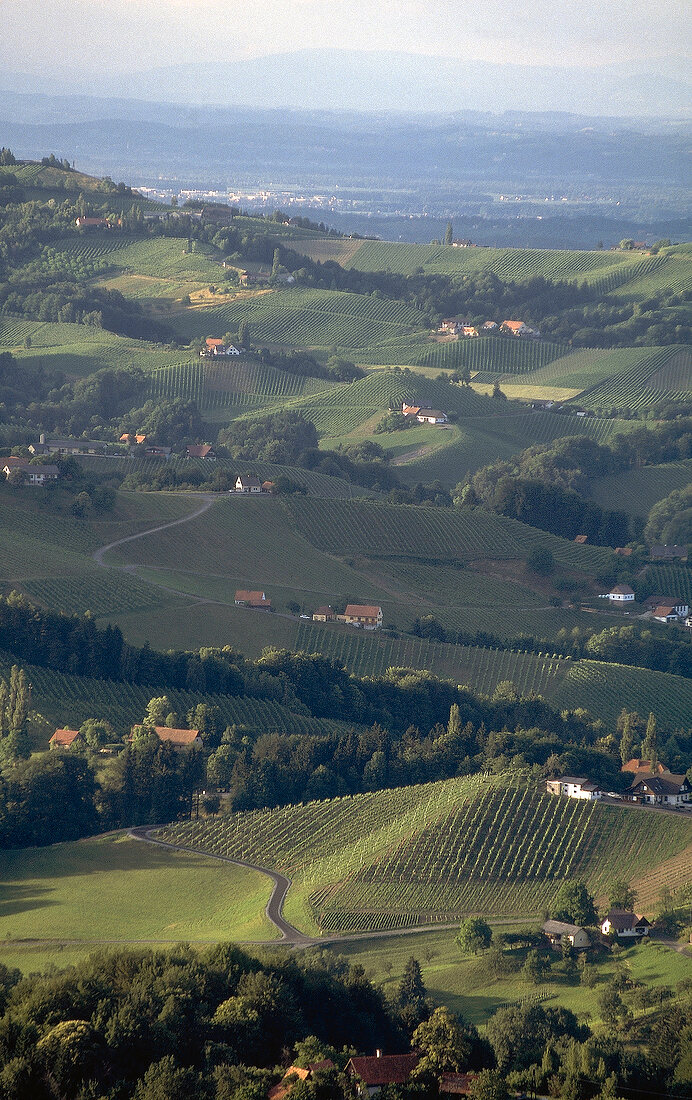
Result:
{"points": [[650, 744]]}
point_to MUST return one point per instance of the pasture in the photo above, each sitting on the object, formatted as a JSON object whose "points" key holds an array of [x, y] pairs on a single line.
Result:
{"points": [[115, 888], [431, 853]]}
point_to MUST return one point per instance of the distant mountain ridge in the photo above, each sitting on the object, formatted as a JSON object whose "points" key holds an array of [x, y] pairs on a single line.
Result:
{"points": [[349, 80]]}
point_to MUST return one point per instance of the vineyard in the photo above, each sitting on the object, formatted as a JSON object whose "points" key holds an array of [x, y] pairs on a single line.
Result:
{"points": [[602, 688], [350, 527], [231, 388], [643, 379], [479, 669], [476, 845], [69, 700], [672, 271], [506, 263], [637, 491], [97, 592], [496, 354], [313, 318], [673, 580]]}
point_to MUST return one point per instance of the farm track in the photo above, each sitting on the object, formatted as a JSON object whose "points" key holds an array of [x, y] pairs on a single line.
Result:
{"points": [[207, 502]]}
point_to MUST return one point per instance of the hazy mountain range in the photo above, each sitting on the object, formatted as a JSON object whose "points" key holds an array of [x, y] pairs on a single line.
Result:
{"points": [[377, 81]]}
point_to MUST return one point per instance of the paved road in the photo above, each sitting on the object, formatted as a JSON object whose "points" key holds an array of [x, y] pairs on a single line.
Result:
{"points": [[206, 504], [289, 934]]}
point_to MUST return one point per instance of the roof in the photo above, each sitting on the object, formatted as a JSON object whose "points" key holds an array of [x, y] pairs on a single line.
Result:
{"points": [[667, 783], [623, 590], [212, 342], [437, 413], [621, 919], [269, 485], [561, 928], [47, 471], [176, 737], [623, 551], [13, 461], [388, 1069], [514, 325], [64, 737], [665, 609], [581, 539], [363, 610], [660, 550], [457, 1083], [579, 780], [410, 410], [245, 595], [249, 479], [130, 438], [286, 1084], [200, 450], [323, 611]]}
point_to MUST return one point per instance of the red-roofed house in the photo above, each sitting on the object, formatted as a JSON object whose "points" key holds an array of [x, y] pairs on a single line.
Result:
{"points": [[246, 597], [92, 223], [201, 450], [297, 1073], [369, 616], [323, 615], [371, 1073], [456, 1084], [132, 440], [65, 739], [179, 739]]}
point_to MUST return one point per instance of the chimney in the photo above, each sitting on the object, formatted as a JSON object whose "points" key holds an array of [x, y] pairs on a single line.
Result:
{"points": [[378, 1053], [42, 437]]}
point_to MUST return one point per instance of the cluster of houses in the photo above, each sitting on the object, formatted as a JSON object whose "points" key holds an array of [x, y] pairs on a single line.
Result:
{"points": [[664, 609], [180, 739], [617, 922], [215, 349], [423, 413], [461, 327], [366, 616], [651, 785]]}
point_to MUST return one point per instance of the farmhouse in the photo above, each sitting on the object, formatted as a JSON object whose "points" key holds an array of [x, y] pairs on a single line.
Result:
{"points": [[371, 1073], [488, 326], [245, 483], [132, 440], [179, 739], [33, 475], [623, 551], [93, 223], [640, 767], [667, 609], [65, 739], [661, 552], [214, 348], [621, 593], [581, 539], [268, 486], [297, 1073], [246, 597], [556, 930], [155, 450], [518, 328], [67, 446], [424, 414], [451, 325], [366, 615], [572, 786], [469, 330], [625, 925], [665, 789], [201, 450], [323, 615], [463, 243]]}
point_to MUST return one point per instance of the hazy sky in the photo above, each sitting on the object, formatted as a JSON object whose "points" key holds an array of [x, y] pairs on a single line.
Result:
{"points": [[113, 35]]}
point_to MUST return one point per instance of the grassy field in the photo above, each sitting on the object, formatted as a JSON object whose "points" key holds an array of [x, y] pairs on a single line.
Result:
{"points": [[116, 888], [417, 855], [462, 982]]}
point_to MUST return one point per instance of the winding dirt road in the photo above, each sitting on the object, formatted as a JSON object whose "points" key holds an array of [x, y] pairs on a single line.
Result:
{"points": [[206, 504]]}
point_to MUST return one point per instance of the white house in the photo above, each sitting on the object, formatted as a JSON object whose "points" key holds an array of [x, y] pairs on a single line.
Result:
{"points": [[555, 930], [626, 925], [665, 789], [572, 786], [245, 484], [621, 593]]}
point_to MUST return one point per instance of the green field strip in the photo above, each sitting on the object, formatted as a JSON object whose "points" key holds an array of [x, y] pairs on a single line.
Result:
{"points": [[635, 384], [99, 592], [603, 687], [636, 491]]}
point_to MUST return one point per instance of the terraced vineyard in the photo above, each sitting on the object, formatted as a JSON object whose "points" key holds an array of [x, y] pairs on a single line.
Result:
{"points": [[478, 845], [69, 700], [231, 388], [479, 669], [94, 245], [344, 527], [605, 686], [671, 580], [650, 378], [98, 592], [312, 318], [497, 354]]}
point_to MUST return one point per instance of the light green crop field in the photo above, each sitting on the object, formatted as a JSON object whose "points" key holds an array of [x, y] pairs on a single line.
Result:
{"points": [[431, 853], [462, 982], [116, 888], [642, 377], [637, 491]]}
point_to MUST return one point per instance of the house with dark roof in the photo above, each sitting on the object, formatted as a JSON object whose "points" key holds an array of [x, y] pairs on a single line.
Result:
{"points": [[371, 1073], [556, 930], [247, 483], [201, 450], [620, 593], [456, 1084], [323, 615], [625, 925], [572, 786], [665, 789], [661, 552], [32, 474], [65, 739]]}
